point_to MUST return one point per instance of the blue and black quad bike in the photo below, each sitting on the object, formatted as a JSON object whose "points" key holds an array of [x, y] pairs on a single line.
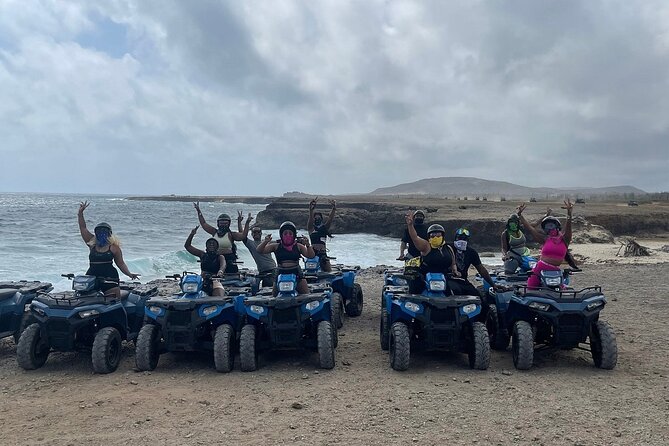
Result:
{"points": [[190, 320], [15, 299], [551, 317], [86, 320], [288, 321], [347, 295], [432, 320]]}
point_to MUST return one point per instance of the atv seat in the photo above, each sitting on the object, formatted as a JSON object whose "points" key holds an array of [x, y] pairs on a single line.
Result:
{"points": [[124, 294], [7, 293]]}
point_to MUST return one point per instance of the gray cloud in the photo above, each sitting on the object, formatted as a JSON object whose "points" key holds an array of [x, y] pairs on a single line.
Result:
{"points": [[332, 97]]}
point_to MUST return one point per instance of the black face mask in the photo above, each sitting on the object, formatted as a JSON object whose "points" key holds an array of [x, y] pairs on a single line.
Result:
{"points": [[318, 221], [418, 221]]}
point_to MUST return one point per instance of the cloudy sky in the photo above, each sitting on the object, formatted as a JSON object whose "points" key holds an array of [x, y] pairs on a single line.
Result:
{"points": [[331, 96]]}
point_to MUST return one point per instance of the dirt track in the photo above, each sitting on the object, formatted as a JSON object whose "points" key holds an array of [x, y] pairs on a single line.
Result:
{"points": [[563, 400]]}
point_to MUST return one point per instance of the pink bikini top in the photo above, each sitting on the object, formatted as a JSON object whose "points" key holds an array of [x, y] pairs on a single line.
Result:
{"points": [[554, 247]]}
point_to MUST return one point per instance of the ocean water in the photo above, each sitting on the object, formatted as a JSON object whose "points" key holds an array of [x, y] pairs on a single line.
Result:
{"points": [[40, 240]]}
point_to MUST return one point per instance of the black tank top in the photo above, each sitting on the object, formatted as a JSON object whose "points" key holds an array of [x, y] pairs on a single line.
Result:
{"points": [[283, 255], [438, 260], [210, 263], [95, 257], [319, 235]]}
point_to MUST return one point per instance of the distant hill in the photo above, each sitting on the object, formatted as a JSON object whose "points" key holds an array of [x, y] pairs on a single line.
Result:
{"points": [[474, 187]]}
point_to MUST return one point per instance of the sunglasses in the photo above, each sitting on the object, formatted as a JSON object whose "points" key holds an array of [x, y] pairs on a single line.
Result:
{"points": [[550, 226]]}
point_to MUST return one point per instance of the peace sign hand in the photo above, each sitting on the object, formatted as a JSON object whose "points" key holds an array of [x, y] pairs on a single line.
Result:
{"points": [[82, 206], [312, 204], [569, 206], [520, 208]]}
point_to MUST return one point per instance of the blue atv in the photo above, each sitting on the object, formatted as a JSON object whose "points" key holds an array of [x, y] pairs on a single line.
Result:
{"points": [[288, 321], [85, 320], [190, 321], [15, 299], [432, 320], [347, 295], [553, 317]]}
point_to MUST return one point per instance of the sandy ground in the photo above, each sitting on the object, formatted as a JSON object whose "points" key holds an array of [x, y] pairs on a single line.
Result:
{"points": [[563, 400]]}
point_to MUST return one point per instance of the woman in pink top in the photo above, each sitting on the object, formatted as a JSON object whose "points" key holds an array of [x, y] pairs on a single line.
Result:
{"points": [[554, 242]]}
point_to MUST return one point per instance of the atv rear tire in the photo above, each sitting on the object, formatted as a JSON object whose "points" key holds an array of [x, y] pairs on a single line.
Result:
{"points": [[107, 348], [400, 346], [224, 358], [248, 355], [337, 310], [147, 348], [499, 336], [326, 349], [603, 345], [479, 350], [523, 345], [384, 331], [355, 303], [32, 351]]}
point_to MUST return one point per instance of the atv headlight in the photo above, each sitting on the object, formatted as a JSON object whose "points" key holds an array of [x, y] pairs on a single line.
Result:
{"points": [[206, 311], [399, 281], [155, 310], [553, 281], [257, 309], [311, 264], [592, 305], [312, 305], [286, 286], [189, 287], [437, 285], [412, 306], [469, 308], [88, 313], [539, 306]]}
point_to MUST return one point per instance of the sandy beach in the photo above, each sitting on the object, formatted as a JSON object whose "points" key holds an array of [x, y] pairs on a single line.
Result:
{"points": [[562, 400]]}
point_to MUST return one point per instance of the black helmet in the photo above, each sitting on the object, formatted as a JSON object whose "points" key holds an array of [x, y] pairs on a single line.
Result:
{"points": [[211, 239], [224, 217], [513, 218], [416, 212], [103, 225], [462, 234], [436, 228], [287, 225], [550, 219]]}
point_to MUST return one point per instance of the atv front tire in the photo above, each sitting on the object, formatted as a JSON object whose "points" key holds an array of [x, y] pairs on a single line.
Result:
{"points": [[326, 349], [248, 355], [384, 331], [523, 345], [603, 345], [337, 310], [32, 351], [479, 350], [355, 303], [400, 346], [147, 348], [107, 348], [224, 357], [499, 336]]}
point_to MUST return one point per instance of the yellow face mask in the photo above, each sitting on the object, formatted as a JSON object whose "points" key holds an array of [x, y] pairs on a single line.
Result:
{"points": [[437, 241]]}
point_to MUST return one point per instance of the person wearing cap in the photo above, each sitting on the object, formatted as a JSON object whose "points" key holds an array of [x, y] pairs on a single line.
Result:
{"points": [[319, 231], [554, 242], [104, 250], [264, 262], [212, 264], [224, 236], [435, 254], [407, 243], [288, 251], [465, 257]]}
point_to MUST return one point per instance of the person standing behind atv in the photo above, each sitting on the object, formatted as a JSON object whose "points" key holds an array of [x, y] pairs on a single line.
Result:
{"points": [[421, 230], [264, 262], [319, 232], [436, 256], [211, 263], [225, 238], [554, 242], [104, 248], [466, 256], [288, 252]]}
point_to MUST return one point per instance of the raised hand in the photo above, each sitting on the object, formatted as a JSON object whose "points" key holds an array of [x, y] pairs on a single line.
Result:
{"points": [[333, 203], [549, 211], [194, 230], [520, 208], [240, 216], [569, 206], [249, 218], [82, 206], [196, 205], [268, 238], [312, 204], [409, 218]]}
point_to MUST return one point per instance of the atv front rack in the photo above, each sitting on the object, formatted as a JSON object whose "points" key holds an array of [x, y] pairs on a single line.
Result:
{"points": [[558, 295]]}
